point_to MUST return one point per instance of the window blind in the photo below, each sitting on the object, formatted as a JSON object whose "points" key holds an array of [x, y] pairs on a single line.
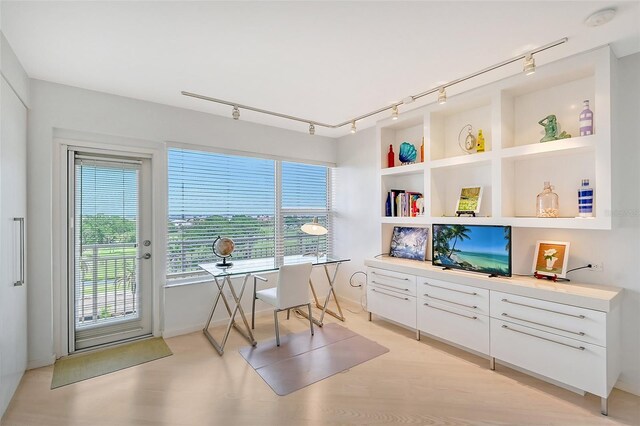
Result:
{"points": [[305, 196], [213, 195], [259, 203], [106, 229]]}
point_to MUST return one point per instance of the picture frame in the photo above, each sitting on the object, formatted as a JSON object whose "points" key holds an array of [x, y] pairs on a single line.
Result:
{"points": [[551, 258], [409, 243], [469, 200]]}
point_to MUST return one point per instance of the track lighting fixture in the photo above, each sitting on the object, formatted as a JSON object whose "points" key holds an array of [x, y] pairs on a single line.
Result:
{"points": [[529, 65], [442, 96], [598, 18]]}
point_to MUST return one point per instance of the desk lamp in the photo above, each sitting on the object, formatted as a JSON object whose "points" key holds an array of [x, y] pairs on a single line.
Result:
{"points": [[314, 228]]}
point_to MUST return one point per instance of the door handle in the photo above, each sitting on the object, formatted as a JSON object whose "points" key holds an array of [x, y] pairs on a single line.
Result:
{"points": [[145, 256], [20, 282]]}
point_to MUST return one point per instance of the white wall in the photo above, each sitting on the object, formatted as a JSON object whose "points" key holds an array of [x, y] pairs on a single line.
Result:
{"points": [[63, 111], [357, 228]]}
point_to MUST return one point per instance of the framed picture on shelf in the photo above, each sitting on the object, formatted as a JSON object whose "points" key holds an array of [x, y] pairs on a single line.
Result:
{"points": [[409, 243], [469, 201], [551, 258]]}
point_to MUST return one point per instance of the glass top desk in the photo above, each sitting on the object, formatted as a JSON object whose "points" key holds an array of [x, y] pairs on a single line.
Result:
{"points": [[250, 267]]}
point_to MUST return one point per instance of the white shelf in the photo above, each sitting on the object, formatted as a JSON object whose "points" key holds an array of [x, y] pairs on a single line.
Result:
{"points": [[563, 146], [515, 165], [418, 220], [558, 223], [407, 169], [462, 160], [463, 220]]}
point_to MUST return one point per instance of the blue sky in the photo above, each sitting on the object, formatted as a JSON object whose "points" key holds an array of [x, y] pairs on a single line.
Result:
{"points": [[483, 240]]}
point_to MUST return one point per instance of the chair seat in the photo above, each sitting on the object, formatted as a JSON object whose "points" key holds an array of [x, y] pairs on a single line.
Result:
{"points": [[269, 295]]}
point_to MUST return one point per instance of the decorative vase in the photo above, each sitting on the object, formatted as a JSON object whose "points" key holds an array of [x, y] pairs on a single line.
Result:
{"points": [[390, 157], [550, 263], [547, 204], [586, 120], [408, 153]]}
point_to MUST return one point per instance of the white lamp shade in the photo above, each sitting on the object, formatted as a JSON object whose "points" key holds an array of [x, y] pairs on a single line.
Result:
{"points": [[313, 228]]}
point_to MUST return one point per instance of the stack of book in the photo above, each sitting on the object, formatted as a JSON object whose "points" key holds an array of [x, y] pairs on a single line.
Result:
{"points": [[402, 203]]}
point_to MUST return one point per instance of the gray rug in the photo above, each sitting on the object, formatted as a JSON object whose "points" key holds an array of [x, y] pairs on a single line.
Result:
{"points": [[303, 359]]}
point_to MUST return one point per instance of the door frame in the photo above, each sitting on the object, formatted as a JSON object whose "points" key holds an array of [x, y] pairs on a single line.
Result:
{"points": [[91, 143]]}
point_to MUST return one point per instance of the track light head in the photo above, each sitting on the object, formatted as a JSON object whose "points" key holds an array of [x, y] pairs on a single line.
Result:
{"points": [[235, 113], [529, 65], [312, 129], [442, 96], [353, 126], [394, 112]]}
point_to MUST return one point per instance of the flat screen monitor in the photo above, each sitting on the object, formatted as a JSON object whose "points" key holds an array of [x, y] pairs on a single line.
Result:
{"points": [[477, 248]]}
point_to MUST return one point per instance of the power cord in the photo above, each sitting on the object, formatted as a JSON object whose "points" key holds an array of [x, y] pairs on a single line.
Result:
{"points": [[359, 285], [588, 266]]}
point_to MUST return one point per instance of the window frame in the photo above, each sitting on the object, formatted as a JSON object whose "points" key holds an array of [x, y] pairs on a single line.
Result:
{"points": [[194, 277]]}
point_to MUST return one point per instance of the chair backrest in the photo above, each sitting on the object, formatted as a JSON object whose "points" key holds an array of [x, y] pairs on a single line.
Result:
{"points": [[293, 285]]}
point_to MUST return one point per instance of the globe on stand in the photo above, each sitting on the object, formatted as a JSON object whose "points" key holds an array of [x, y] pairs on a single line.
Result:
{"points": [[223, 247]]}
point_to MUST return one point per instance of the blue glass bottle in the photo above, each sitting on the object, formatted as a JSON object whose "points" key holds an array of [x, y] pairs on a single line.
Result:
{"points": [[585, 199]]}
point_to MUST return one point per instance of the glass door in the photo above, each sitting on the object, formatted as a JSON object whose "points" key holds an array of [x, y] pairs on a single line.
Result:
{"points": [[110, 293]]}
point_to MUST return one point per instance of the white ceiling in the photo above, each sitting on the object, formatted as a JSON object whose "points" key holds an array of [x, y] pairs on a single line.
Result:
{"points": [[327, 61]]}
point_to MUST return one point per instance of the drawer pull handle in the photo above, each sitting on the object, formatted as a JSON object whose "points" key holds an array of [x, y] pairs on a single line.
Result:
{"points": [[390, 276], [543, 309], [451, 312], [580, 333], [580, 348], [449, 301], [390, 295], [471, 293], [390, 286]]}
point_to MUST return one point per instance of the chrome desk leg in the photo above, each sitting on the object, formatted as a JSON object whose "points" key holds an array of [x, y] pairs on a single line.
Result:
{"points": [[275, 320], [232, 313], [323, 307], [604, 406], [253, 304]]}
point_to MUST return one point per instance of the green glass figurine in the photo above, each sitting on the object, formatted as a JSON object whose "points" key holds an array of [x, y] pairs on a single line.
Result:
{"points": [[550, 124]]}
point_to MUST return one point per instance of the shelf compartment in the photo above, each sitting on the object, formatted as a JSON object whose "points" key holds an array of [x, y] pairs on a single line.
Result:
{"points": [[407, 169], [522, 107], [408, 128], [552, 148], [523, 179], [446, 122], [447, 182]]}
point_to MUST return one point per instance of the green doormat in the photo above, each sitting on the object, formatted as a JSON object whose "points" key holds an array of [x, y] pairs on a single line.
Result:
{"points": [[83, 367]]}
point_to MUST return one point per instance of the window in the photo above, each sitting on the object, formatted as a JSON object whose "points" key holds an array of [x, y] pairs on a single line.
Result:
{"points": [[259, 203]]}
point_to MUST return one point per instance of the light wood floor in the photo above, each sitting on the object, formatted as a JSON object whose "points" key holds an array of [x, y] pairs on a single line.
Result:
{"points": [[424, 383]]}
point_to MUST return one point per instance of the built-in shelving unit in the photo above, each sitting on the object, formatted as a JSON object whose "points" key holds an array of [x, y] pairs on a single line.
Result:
{"points": [[515, 165]]}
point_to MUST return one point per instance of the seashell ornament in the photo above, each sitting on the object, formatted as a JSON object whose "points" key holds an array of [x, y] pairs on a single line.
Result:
{"points": [[408, 153]]}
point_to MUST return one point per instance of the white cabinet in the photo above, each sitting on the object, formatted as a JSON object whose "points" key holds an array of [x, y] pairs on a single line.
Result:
{"points": [[13, 294], [568, 333], [391, 295], [455, 325], [578, 364]]}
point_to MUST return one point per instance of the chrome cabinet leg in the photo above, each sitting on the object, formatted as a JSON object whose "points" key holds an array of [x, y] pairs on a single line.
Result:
{"points": [[492, 363], [369, 316], [288, 313], [417, 335], [275, 318], [310, 318], [604, 406]]}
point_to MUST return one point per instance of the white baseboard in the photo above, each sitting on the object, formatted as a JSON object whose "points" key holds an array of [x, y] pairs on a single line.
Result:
{"points": [[42, 362], [627, 387], [192, 328]]}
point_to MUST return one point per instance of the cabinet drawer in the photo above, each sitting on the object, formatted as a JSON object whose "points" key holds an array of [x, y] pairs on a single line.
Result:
{"points": [[455, 325], [460, 296], [392, 305], [394, 281], [578, 364], [581, 324]]}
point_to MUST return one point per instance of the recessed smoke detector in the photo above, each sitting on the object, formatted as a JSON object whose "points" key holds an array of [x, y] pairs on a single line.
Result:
{"points": [[600, 17]]}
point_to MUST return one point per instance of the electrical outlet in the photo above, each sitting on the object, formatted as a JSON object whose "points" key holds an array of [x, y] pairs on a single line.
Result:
{"points": [[597, 267]]}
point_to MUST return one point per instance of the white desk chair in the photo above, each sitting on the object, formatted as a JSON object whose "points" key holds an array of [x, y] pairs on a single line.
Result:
{"points": [[292, 291]]}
